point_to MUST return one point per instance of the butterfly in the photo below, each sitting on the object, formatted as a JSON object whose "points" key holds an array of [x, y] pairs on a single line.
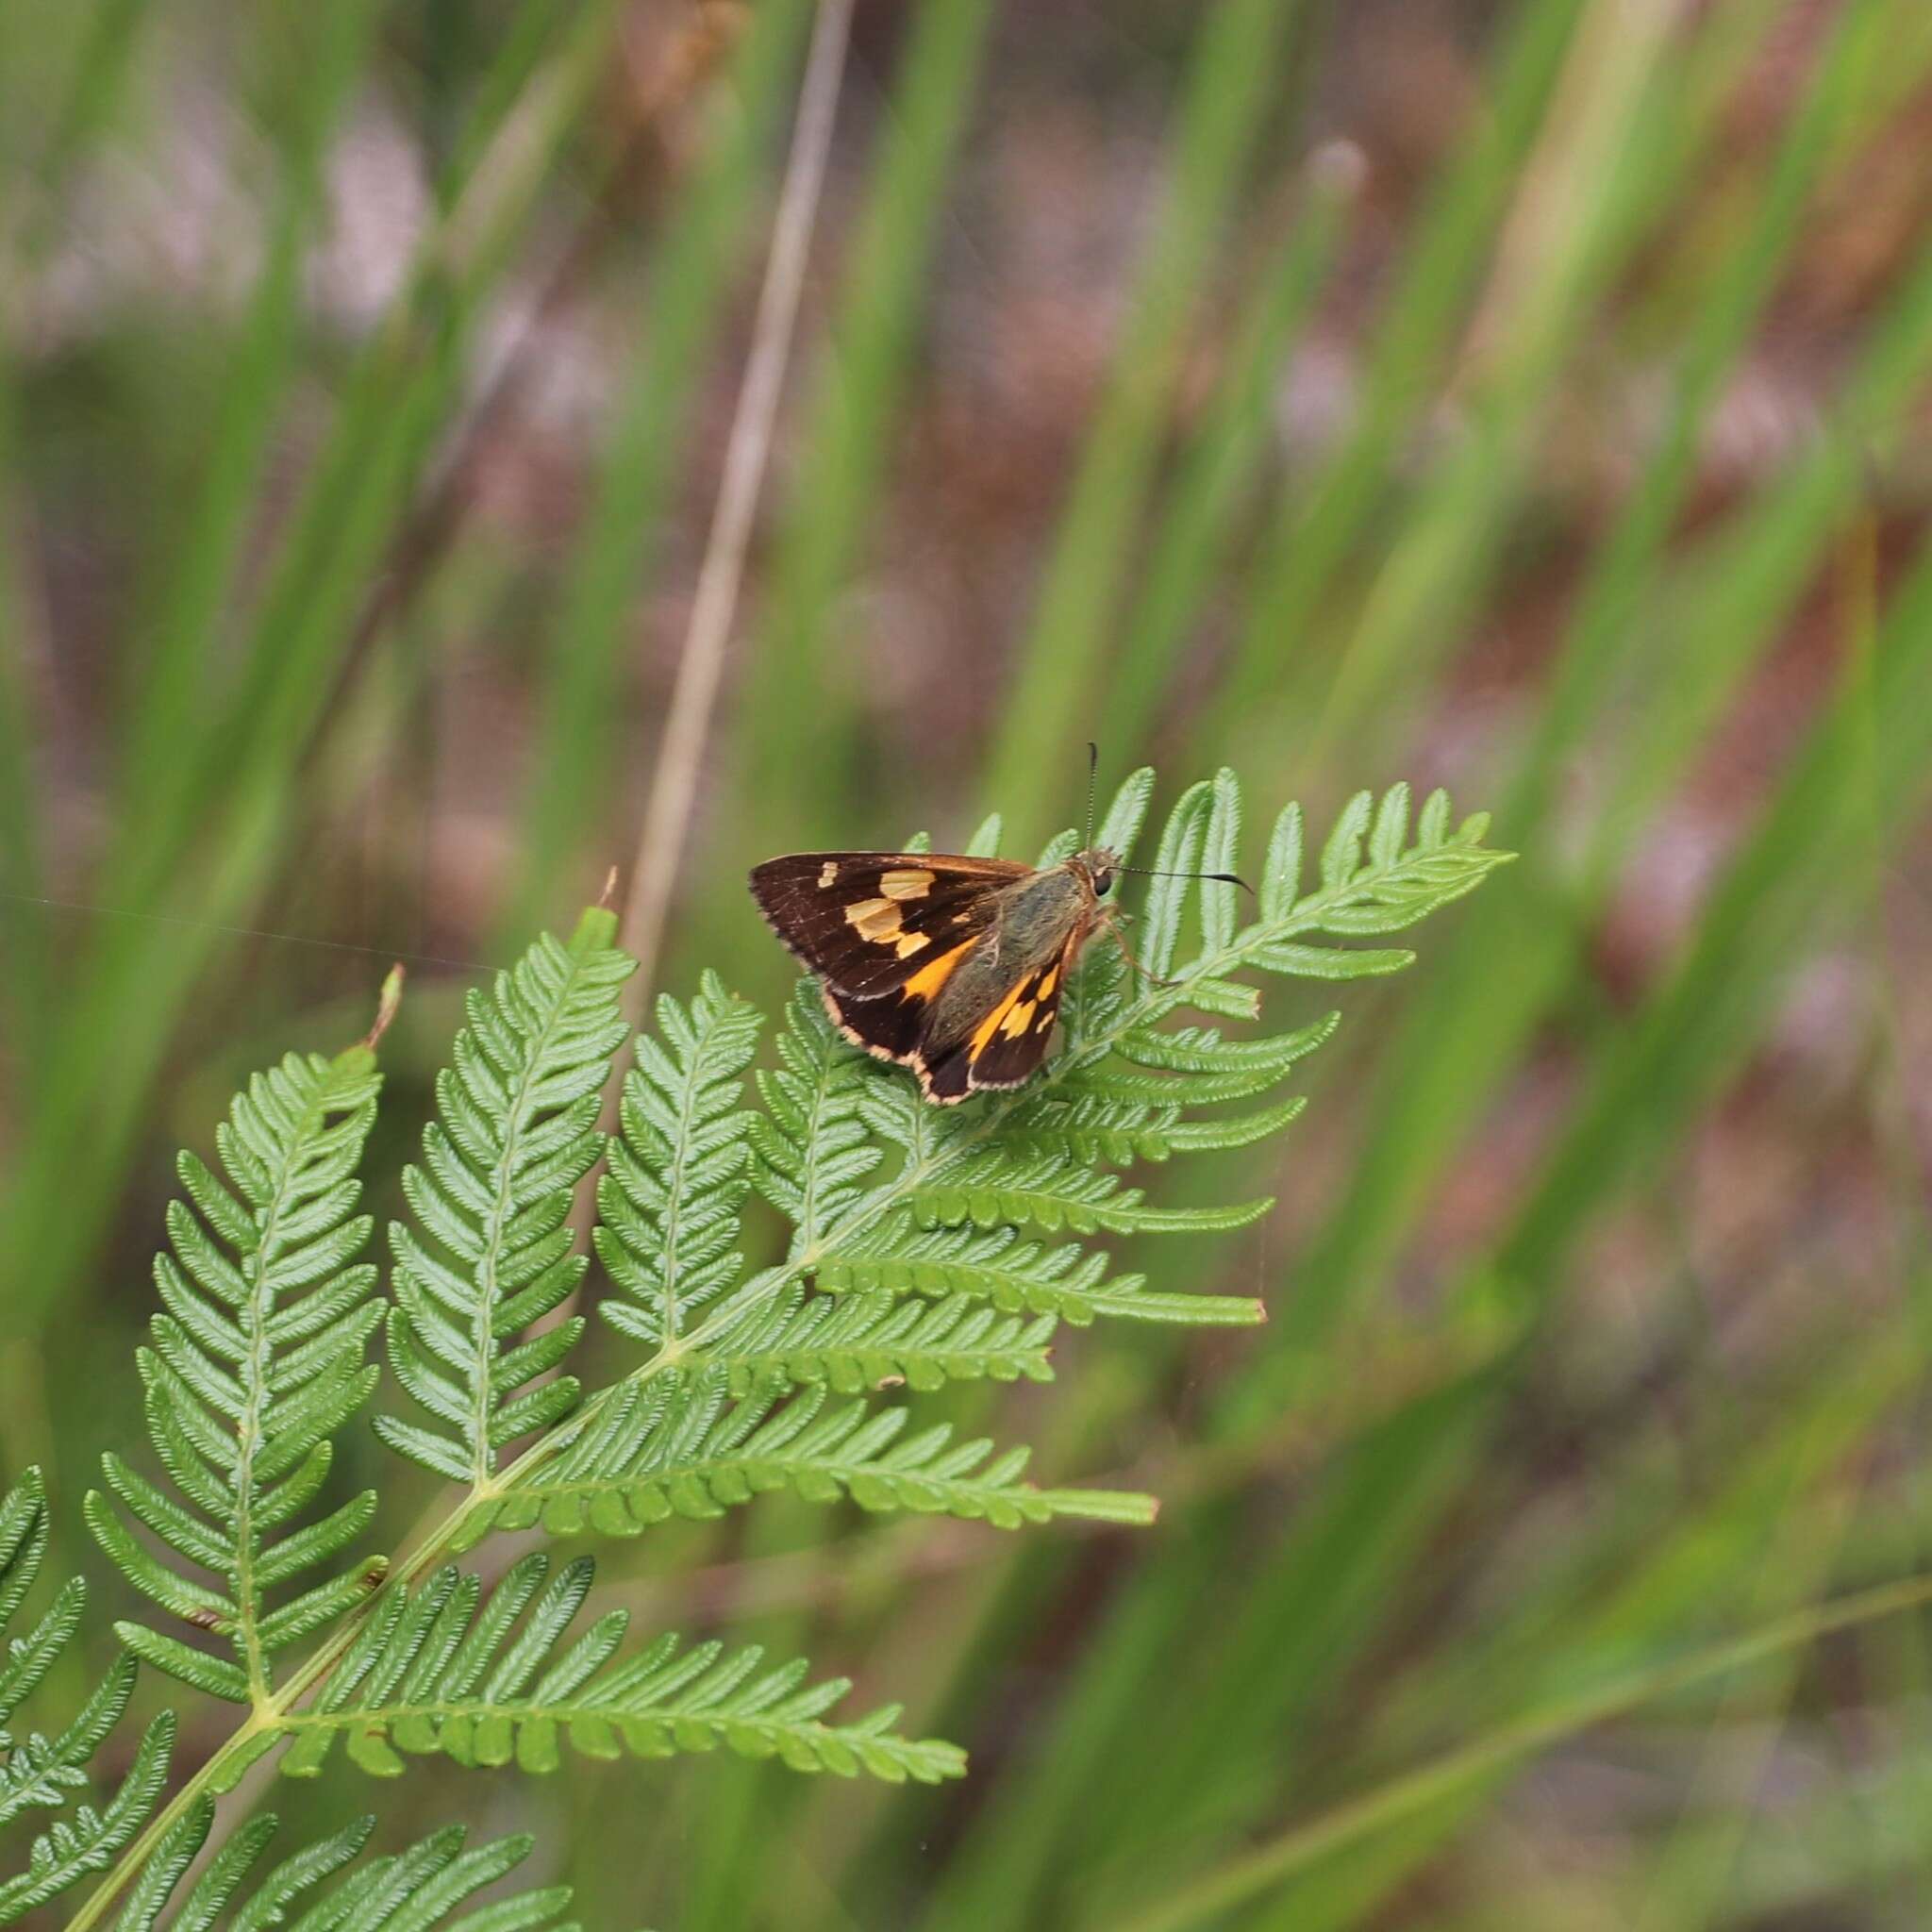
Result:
{"points": [[950, 965]]}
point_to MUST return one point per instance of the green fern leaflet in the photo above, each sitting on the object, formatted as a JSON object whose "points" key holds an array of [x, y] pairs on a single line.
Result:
{"points": [[517, 1131], [49, 1775], [413, 1890], [257, 1360], [488, 1681]]}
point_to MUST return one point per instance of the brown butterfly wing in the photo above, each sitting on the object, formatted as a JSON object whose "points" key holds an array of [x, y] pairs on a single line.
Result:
{"points": [[1007, 1047], [901, 1026], [868, 922], [886, 931]]}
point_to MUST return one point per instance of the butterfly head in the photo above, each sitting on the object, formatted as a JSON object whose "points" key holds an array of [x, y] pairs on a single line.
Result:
{"points": [[1099, 867]]}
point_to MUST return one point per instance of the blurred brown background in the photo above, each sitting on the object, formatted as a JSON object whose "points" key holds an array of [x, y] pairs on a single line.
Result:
{"points": [[1527, 398]]}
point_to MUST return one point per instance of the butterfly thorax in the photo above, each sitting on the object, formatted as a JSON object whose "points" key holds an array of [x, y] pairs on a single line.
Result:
{"points": [[1033, 921]]}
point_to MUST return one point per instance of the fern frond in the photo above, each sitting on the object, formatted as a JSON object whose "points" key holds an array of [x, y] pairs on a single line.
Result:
{"points": [[856, 1341], [926, 1246], [90, 1840], [811, 1144], [944, 1221], [996, 1265], [486, 1681], [947, 1221], [39, 1773], [1373, 878], [415, 1890], [1019, 1187], [670, 1203], [257, 1361], [679, 1446], [42, 1773], [517, 1129]]}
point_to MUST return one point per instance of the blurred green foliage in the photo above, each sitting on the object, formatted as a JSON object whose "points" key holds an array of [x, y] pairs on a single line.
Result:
{"points": [[1525, 396]]}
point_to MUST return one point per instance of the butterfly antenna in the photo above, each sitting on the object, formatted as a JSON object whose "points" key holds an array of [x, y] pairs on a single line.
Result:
{"points": [[1093, 780], [1225, 878]]}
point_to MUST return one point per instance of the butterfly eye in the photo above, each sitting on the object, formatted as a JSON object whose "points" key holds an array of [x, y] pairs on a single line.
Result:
{"points": [[1103, 885]]}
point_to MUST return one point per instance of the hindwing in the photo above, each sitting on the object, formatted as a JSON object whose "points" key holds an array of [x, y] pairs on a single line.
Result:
{"points": [[1005, 1046]]}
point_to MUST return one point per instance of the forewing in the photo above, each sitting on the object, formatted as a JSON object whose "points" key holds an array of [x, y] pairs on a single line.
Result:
{"points": [[1005, 1049], [869, 923]]}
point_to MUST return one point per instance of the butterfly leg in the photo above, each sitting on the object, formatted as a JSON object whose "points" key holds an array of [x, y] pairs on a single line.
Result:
{"points": [[1119, 938]]}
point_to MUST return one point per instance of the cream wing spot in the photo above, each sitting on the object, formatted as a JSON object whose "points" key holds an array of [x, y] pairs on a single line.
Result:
{"points": [[877, 918], [909, 943], [908, 882], [828, 874], [1046, 1020]]}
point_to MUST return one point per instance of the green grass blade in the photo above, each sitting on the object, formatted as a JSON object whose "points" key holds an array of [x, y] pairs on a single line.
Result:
{"points": [[1237, 55], [858, 391], [1319, 521], [576, 743], [23, 968], [1192, 528], [1786, 887], [176, 682], [206, 842], [1471, 1018]]}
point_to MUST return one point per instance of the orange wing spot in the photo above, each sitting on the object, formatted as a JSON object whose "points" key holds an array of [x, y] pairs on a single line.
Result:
{"points": [[934, 974], [1015, 1022], [990, 1024], [1048, 981]]}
